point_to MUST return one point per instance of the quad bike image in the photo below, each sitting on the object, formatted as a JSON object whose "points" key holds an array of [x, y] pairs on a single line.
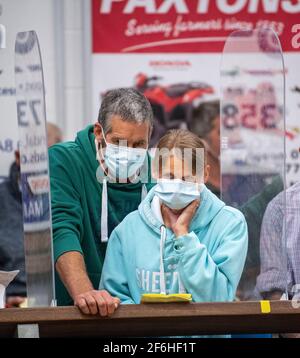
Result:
{"points": [[172, 104]]}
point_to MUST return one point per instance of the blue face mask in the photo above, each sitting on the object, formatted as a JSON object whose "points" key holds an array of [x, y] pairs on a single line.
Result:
{"points": [[177, 193], [122, 162]]}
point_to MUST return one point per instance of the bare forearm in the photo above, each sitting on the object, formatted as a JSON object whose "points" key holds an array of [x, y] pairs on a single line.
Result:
{"points": [[71, 269]]}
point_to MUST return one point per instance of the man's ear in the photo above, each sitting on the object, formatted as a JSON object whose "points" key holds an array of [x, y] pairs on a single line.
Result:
{"points": [[206, 173], [98, 132]]}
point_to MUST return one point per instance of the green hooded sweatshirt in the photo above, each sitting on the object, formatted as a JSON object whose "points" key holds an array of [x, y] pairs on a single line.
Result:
{"points": [[76, 205]]}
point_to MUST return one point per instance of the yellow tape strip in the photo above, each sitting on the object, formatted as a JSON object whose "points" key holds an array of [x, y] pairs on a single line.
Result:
{"points": [[265, 306], [162, 298]]}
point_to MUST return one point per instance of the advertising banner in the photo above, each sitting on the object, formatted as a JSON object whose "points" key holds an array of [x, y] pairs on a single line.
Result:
{"points": [[171, 51]]}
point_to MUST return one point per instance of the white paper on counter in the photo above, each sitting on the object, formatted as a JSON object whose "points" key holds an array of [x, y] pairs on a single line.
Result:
{"points": [[5, 279]]}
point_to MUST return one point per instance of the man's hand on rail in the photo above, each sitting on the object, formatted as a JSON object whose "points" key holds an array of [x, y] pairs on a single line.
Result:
{"points": [[89, 300], [97, 302]]}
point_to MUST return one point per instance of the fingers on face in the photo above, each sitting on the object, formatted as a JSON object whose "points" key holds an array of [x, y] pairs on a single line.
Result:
{"points": [[193, 205], [164, 208], [190, 210]]}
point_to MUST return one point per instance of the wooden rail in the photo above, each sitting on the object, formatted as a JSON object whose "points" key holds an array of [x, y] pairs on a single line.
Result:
{"points": [[156, 320]]}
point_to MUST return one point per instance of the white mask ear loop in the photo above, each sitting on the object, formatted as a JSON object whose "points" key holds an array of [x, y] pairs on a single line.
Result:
{"points": [[104, 202], [97, 151], [104, 213], [162, 282], [98, 157]]}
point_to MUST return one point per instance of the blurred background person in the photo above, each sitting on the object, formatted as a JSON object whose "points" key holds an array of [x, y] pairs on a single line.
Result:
{"points": [[11, 225], [280, 246], [254, 210], [206, 124], [11, 233], [54, 134], [280, 250]]}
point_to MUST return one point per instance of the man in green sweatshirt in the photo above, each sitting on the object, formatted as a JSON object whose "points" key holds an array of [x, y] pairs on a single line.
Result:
{"points": [[95, 182]]}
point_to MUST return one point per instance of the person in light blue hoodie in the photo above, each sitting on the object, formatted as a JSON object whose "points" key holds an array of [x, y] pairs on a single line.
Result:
{"points": [[182, 238]]}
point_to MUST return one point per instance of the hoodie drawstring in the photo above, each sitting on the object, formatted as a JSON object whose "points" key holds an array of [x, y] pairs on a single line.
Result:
{"points": [[104, 214], [162, 282]]}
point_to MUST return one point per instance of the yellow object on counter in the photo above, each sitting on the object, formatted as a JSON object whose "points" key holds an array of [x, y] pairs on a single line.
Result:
{"points": [[265, 306], [162, 298]]}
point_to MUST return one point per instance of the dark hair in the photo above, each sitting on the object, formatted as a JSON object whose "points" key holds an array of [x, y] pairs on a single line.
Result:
{"points": [[128, 103], [203, 118]]}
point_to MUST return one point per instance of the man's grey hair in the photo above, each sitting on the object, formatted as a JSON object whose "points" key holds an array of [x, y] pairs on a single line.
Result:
{"points": [[128, 103]]}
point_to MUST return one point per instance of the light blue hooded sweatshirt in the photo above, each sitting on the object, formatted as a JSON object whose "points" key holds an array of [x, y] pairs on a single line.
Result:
{"points": [[143, 256]]}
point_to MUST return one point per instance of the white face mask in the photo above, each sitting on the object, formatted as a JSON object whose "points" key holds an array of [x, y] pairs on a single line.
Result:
{"points": [[177, 193], [122, 162]]}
